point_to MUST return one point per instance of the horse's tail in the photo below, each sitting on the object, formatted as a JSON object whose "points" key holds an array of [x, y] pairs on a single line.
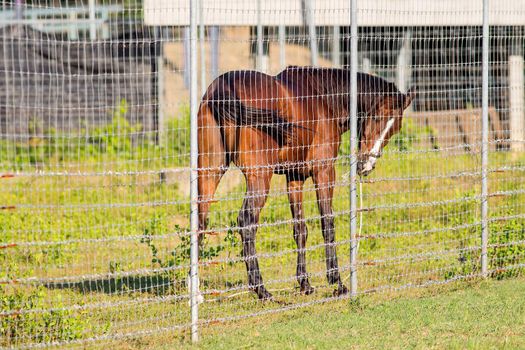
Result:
{"points": [[213, 161], [228, 109]]}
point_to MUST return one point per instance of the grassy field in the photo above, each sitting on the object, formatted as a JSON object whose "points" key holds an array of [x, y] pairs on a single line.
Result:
{"points": [[475, 315], [95, 234]]}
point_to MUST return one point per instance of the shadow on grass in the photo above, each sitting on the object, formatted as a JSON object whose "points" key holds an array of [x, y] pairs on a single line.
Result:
{"points": [[157, 284], [154, 284]]}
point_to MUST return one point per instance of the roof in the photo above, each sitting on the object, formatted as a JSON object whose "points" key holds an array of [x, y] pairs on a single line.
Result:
{"points": [[337, 12]]}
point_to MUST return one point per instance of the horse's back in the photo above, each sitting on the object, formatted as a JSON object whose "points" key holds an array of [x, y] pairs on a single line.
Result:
{"points": [[253, 88]]}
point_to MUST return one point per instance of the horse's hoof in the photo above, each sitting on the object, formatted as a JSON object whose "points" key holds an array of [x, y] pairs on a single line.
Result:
{"points": [[341, 290], [307, 290], [264, 295]]}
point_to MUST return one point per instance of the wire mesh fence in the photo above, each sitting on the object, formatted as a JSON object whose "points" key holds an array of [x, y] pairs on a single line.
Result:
{"points": [[97, 129]]}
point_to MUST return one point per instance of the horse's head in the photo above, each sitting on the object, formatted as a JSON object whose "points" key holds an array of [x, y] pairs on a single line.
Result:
{"points": [[378, 125]]}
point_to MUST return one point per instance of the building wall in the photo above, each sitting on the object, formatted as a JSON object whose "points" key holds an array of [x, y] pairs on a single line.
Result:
{"points": [[48, 83]]}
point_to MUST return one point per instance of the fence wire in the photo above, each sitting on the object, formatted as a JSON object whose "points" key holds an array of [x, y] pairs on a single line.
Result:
{"points": [[95, 158]]}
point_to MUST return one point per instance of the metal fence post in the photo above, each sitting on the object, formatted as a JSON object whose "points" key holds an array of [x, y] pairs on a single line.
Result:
{"points": [[19, 9], [282, 46], [187, 57], [516, 103], [160, 97], [309, 15], [259, 64], [202, 33], [353, 148], [194, 277], [214, 32], [92, 18], [336, 46], [485, 140]]}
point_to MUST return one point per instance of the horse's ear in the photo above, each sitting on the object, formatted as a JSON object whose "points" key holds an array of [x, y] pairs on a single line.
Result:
{"points": [[410, 96]]}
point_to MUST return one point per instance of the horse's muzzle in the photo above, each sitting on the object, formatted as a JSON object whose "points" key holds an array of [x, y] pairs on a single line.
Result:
{"points": [[365, 166]]}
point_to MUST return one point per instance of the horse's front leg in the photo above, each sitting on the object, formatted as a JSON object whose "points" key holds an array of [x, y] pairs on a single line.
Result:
{"points": [[300, 231], [258, 186], [324, 180]]}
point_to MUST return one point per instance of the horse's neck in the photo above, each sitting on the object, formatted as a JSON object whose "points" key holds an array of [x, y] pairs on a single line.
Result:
{"points": [[342, 111], [331, 84]]}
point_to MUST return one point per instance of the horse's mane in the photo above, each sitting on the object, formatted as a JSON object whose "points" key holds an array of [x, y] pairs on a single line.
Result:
{"points": [[334, 82]]}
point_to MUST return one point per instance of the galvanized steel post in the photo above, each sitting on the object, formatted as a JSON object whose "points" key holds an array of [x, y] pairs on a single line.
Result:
{"points": [[214, 33], [19, 9], [92, 18], [353, 148], [312, 33], [336, 46], [282, 46], [260, 49], [485, 140], [194, 217], [202, 33]]}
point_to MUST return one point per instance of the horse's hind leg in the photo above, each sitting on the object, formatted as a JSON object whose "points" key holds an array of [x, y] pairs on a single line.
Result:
{"points": [[300, 231], [258, 185], [324, 181], [212, 162], [208, 182]]}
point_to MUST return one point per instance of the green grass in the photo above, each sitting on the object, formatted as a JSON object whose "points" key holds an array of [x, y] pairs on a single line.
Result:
{"points": [[477, 315], [120, 228]]}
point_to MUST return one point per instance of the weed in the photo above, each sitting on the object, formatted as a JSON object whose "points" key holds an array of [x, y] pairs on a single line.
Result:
{"points": [[180, 255], [508, 247], [42, 326]]}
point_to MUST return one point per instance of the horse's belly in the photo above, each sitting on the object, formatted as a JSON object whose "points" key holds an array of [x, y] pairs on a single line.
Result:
{"points": [[292, 160]]}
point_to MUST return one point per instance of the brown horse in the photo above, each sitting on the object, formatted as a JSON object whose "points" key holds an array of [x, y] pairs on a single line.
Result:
{"points": [[290, 124]]}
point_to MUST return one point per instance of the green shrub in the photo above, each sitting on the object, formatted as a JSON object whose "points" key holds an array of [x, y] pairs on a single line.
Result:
{"points": [[116, 137], [506, 249], [52, 325], [117, 140], [507, 238], [469, 262], [180, 255]]}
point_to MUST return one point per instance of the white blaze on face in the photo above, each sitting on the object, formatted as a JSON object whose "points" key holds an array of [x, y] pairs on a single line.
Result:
{"points": [[374, 152]]}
